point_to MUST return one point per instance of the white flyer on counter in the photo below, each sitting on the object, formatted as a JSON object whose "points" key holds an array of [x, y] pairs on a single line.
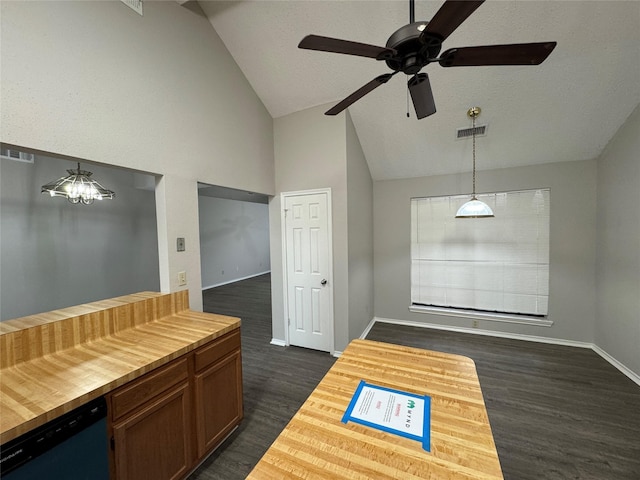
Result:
{"points": [[393, 411]]}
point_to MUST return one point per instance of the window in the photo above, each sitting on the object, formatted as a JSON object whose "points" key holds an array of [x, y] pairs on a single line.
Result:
{"points": [[498, 264]]}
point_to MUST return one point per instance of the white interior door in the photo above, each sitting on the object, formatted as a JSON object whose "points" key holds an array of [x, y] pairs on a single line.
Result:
{"points": [[309, 289]]}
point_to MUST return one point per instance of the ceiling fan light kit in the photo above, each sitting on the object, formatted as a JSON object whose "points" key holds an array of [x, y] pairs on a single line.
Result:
{"points": [[417, 44]]}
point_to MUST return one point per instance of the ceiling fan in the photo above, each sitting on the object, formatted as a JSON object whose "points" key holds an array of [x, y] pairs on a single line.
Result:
{"points": [[414, 46]]}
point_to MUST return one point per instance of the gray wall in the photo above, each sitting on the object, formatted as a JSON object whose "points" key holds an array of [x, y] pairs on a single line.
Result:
{"points": [[234, 240], [618, 246], [55, 254], [360, 234], [572, 244], [310, 152], [158, 93], [316, 151]]}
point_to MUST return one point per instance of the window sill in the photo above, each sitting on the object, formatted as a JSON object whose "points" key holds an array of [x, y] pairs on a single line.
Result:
{"points": [[494, 317]]}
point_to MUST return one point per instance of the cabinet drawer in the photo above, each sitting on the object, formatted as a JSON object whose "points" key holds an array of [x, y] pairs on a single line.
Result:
{"points": [[217, 349], [137, 392]]}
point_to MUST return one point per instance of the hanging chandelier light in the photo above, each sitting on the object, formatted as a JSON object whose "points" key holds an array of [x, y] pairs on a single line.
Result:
{"points": [[77, 187], [474, 208]]}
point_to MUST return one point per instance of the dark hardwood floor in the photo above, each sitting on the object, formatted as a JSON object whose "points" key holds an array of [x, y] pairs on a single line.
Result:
{"points": [[276, 380], [556, 412]]}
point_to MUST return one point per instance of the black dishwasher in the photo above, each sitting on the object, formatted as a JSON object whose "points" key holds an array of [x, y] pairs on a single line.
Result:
{"points": [[71, 447]]}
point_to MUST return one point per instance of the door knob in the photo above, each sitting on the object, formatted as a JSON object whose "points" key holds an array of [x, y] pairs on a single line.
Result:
{"points": [[323, 282]]}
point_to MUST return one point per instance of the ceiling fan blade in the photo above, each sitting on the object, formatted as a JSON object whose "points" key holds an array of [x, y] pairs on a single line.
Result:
{"points": [[361, 92], [449, 17], [335, 45], [422, 96], [516, 54]]}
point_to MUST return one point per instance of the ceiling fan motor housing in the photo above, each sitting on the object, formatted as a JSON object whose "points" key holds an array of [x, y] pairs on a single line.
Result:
{"points": [[413, 52], [418, 44]]}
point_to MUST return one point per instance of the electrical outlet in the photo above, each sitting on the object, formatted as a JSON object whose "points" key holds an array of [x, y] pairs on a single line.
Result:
{"points": [[182, 278], [475, 324]]}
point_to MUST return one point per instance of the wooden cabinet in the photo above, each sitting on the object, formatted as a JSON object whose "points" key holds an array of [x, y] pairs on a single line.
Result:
{"points": [[218, 392], [163, 424], [155, 442]]}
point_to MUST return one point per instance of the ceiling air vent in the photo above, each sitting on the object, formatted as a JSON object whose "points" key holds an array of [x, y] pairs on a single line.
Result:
{"points": [[481, 131], [135, 5], [18, 156]]}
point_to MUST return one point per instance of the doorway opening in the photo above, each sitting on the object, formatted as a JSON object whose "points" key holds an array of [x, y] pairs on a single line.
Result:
{"points": [[234, 235]]}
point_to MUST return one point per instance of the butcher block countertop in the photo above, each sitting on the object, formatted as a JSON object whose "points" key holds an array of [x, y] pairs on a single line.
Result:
{"points": [[53, 362], [316, 444]]}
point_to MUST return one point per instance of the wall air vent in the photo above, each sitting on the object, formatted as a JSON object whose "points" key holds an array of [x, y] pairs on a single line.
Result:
{"points": [[481, 131], [17, 156]]}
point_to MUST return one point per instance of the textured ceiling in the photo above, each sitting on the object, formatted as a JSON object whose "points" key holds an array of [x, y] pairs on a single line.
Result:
{"points": [[566, 109]]}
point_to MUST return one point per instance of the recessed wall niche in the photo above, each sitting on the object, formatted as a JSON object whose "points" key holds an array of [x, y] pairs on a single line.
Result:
{"points": [[56, 254]]}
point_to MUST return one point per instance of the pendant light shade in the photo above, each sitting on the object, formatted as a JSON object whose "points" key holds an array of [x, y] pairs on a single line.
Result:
{"points": [[77, 187], [474, 208]]}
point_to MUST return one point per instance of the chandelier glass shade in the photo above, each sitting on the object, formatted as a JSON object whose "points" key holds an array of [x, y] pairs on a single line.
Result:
{"points": [[77, 187], [474, 208]]}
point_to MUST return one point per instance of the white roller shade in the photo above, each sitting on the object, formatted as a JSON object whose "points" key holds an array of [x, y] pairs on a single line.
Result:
{"points": [[498, 264]]}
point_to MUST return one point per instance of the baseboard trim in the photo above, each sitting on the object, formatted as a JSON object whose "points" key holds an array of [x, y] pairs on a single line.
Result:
{"points": [[337, 353], [620, 366], [369, 327], [235, 280], [515, 336], [490, 333]]}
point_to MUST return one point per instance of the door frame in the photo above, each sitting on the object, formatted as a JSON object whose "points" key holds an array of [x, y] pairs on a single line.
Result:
{"points": [[283, 232]]}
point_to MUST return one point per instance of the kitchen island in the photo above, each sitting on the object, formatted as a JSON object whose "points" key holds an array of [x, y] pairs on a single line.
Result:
{"points": [[318, 444]]}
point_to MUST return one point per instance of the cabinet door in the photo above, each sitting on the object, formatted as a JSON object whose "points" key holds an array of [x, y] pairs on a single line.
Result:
{"points": [[154, 442], [218, 400]]}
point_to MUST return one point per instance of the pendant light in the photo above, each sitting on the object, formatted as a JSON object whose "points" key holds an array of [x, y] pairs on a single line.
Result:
{"points": [[474, 208], [77, 187]]}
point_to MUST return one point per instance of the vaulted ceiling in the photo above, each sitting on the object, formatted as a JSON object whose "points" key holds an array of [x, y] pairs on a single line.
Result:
{"points": [[566, 109]]}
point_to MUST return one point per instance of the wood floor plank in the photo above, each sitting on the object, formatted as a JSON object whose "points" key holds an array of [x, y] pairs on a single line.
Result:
{"points": [[556, 412]]}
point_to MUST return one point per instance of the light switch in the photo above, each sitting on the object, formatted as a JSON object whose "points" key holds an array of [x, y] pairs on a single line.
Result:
{"points": [[180, 244], [182, 278]]}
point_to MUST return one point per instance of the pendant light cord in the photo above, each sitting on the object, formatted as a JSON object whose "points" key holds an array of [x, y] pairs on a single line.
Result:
{"points": [[474, 154], [474, 208]]}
